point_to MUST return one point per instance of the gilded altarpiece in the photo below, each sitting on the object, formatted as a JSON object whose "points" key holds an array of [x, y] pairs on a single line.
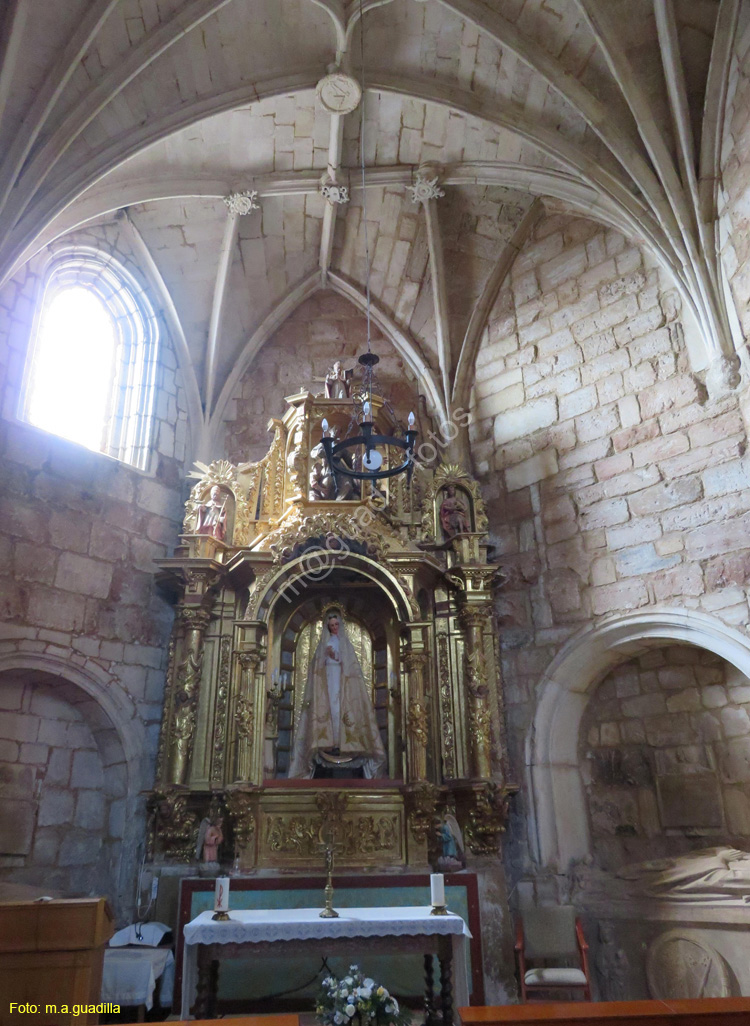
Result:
{"points": [[265, 555]]}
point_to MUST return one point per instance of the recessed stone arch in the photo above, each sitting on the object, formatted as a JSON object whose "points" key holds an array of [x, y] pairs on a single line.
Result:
{"points": [[86, 769], [558, 821]]}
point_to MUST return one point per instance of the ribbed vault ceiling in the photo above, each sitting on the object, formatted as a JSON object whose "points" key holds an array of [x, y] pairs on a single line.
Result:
{"points": [[613, 108]]}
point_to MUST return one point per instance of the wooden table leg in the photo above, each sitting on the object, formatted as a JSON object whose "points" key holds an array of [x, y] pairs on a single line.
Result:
{"points": [[208, 984], [429, 991], [445, 957], [213, 987]]}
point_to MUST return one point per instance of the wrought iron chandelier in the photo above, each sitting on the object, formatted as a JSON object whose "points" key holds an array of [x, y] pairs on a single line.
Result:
{"points": [[367, 466]]}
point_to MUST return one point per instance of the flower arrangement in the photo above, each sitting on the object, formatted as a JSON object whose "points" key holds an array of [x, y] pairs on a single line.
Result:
{"points": [[357, 998]]}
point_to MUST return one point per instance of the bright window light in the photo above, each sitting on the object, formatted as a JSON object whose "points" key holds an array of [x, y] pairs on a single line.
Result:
{"points": [[71, 387], [91, 371]]}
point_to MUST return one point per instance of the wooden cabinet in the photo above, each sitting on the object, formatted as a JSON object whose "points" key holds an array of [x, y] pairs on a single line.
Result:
{"points": [[51, 956]]}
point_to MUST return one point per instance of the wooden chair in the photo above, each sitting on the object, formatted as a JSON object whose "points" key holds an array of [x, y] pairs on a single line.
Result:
{"points": [[553, 937]]}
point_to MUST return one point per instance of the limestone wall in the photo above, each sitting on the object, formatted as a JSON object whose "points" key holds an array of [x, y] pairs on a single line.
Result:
{"points": [[665, 750], [613, 483], [78, 603], [324, 328], [58, 757]]}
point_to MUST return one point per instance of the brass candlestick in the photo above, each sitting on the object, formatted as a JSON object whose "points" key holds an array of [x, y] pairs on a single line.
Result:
{"points": [[220, 917], [439, 910], [329, 912]]}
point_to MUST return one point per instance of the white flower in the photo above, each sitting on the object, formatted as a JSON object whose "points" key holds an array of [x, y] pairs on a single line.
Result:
{"points": [[344, 992], [350, 1010], [366, 992], [353, 968], [348, 980], [338, 1018], [369, 983]]}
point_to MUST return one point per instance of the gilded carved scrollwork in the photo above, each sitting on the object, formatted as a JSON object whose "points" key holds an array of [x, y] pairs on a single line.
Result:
{"points": [[421, 804], [487, 819], [186, 690], [173, 826], [352, 526], [242, 807], [448, 735], [417, 720], [244, 718], [359, 837], [244, 711], [222, 696]]}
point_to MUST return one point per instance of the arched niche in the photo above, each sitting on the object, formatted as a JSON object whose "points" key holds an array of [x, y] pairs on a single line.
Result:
{"points": [[306, 570], [121, 743], [558, 816], [374, 632]]}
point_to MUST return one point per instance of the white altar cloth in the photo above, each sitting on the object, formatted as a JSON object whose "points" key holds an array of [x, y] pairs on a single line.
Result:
{"points": [[305, 924], [130, 974]]}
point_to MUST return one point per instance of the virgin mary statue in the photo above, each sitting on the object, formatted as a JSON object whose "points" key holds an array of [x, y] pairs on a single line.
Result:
{"points": [[337, 718]]}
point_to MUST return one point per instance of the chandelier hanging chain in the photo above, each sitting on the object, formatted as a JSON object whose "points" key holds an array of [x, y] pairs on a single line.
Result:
{"points": [[337, 453], [362, 168]]}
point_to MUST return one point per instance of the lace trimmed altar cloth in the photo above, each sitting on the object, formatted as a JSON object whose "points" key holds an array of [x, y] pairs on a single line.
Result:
{"points": [[304, 925], [129, 976]]}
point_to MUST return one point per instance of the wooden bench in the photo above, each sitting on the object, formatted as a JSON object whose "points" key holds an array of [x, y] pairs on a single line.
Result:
{"points": [[240, 1020], [698, 1012]]}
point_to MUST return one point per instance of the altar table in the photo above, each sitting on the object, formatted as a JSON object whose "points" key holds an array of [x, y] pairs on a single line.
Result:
{"points": [[287, 931]]}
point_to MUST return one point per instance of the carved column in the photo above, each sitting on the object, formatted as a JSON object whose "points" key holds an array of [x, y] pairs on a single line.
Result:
{"points": [[417, 716], [244, 715], [248, 713], [194, 621], [473, 620]]}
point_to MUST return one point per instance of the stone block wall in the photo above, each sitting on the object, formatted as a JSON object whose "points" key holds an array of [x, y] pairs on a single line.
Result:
{"points": [[613, 482], [662, 735], [324, 328], [78, 536], [69, 774]]}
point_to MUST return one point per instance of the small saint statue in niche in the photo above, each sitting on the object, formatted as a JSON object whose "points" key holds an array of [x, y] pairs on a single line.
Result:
{"points": [[337, 382], [337, 718], [210, 836], [454, 517], [451, 854], [212, 515]]}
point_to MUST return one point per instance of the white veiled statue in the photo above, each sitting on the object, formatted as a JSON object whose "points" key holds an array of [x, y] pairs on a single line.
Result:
{"points": [[337, 716]]}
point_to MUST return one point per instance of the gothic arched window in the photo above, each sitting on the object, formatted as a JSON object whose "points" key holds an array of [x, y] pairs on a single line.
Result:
{"points": [[91, 372]]}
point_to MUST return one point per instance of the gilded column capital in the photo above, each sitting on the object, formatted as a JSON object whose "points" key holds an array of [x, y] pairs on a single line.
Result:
{"points": [[194, 618], [249, 660], [415, 661]]}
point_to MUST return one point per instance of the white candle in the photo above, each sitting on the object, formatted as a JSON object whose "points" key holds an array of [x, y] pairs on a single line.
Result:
{"points": [[221, 895], [437, 889]]}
